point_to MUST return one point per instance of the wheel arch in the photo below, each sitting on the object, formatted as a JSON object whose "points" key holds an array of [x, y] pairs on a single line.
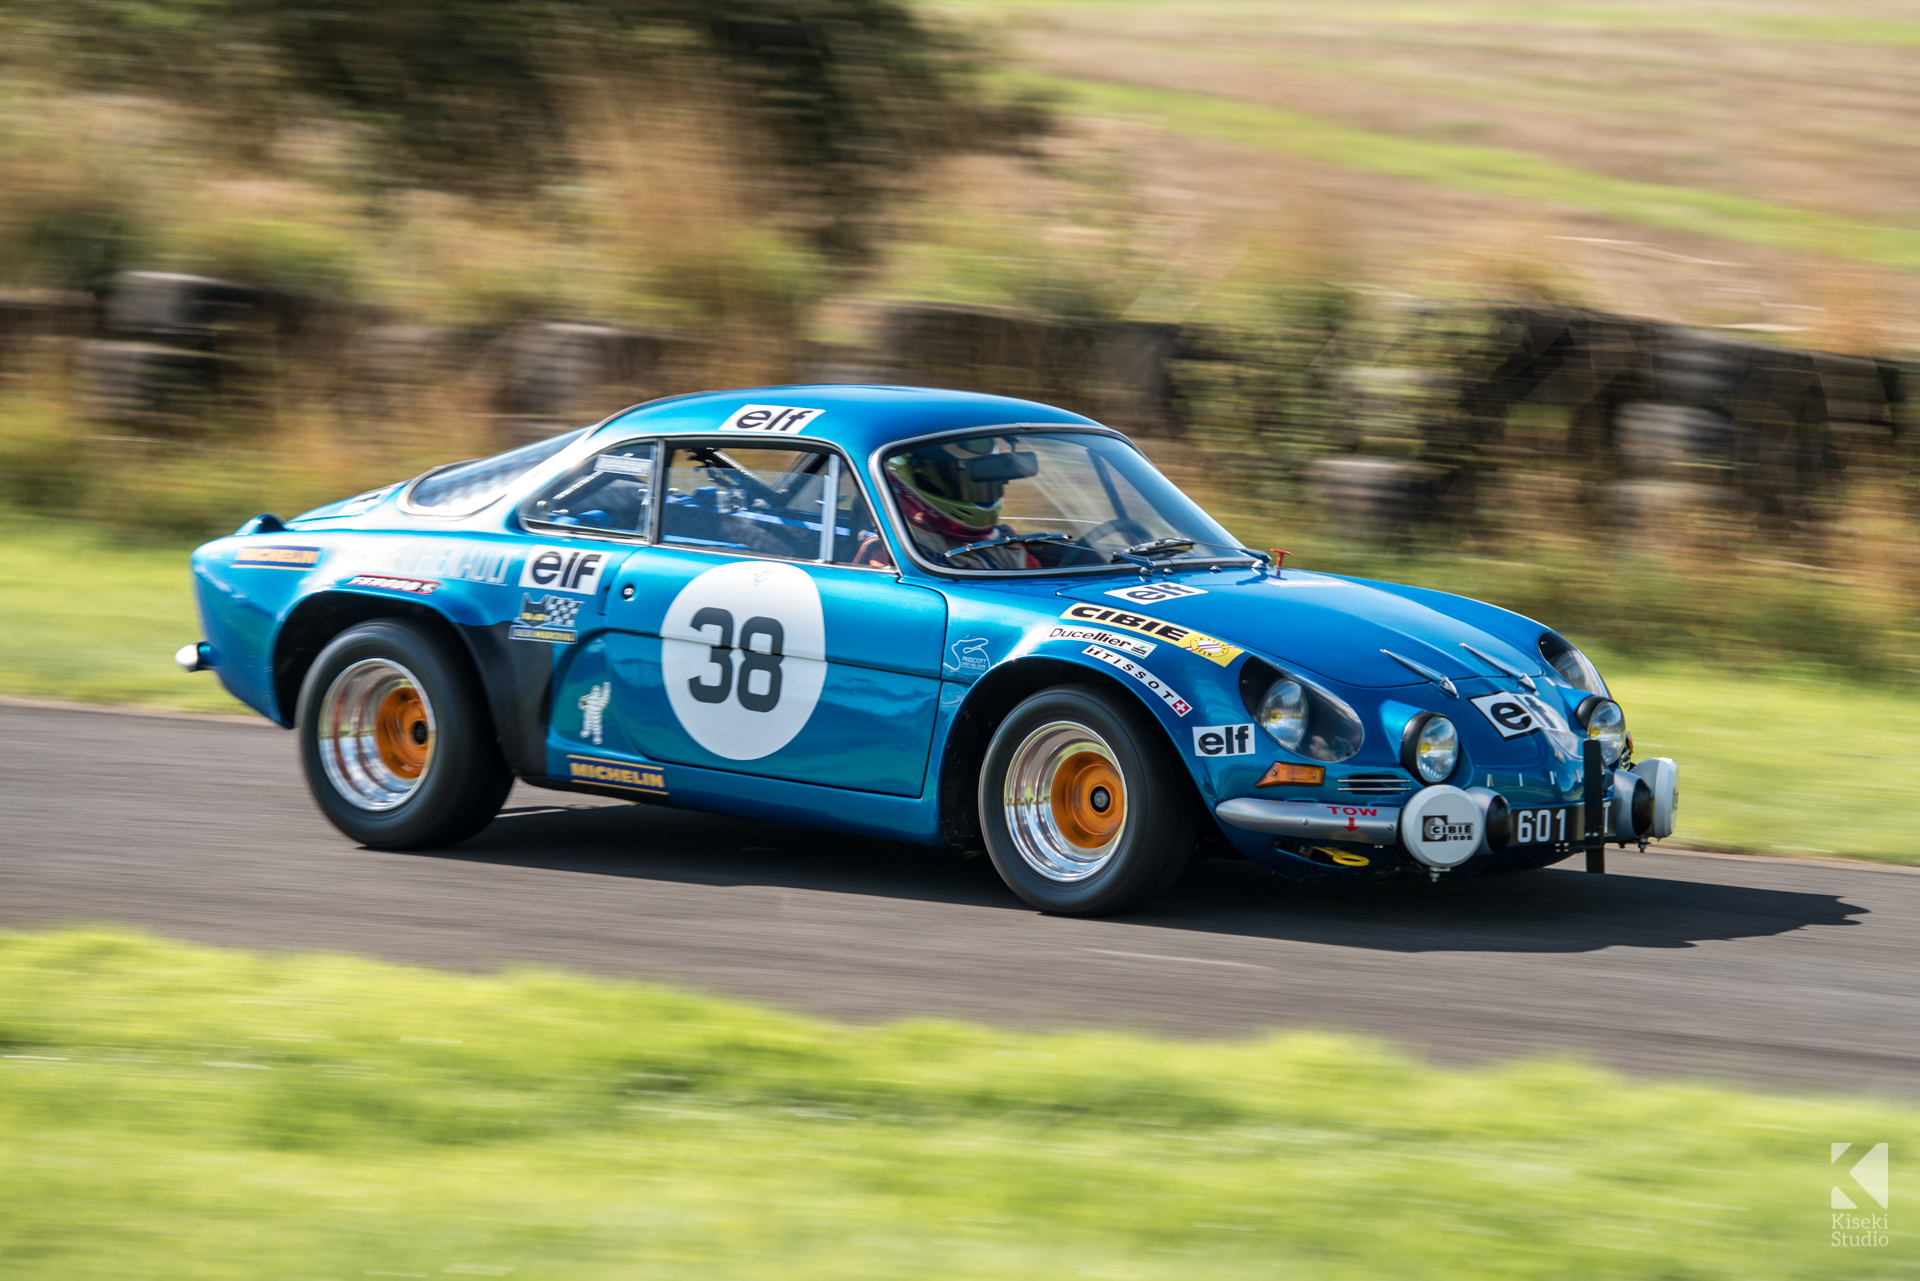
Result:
{"points": [[312, 625], [987, 704]]}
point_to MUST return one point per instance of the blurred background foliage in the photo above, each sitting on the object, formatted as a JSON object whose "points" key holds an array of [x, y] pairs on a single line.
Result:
{"points": [[258, 254]]}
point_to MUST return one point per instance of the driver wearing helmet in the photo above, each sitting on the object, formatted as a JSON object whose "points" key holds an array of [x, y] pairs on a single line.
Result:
{"points": [[950, 495]]}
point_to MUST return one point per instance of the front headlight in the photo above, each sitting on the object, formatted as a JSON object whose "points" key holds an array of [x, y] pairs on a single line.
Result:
{"points": [[1570, 665], [1430, 748], [1603, 719], [1299, 715]]}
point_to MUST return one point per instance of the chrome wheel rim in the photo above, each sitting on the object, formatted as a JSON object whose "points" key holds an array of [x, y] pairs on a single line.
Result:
{"points": [[1065, 801], [376, 734]]}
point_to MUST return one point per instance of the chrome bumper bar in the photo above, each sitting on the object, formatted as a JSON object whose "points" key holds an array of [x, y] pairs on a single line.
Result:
{"points": [[1313, 820]]}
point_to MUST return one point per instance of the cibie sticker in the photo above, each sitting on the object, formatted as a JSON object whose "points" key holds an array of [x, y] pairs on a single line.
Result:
{"points": [[1516, 714], [1101, 636], [1165, 692], [277, 558], [1154, 593], [743, 655], [770, 420], [1223, 740], [563, 569], [1211, 648]]}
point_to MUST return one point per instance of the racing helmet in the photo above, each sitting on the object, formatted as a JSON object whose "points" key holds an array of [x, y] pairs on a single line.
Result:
{"points": [[963, 480]]}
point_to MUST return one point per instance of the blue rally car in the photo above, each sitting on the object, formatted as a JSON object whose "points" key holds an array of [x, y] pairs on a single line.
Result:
{"points": [[923, 615]]}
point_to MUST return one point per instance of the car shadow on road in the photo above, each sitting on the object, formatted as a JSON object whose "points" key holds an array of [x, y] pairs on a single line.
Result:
{"points": [[1554, 910]]}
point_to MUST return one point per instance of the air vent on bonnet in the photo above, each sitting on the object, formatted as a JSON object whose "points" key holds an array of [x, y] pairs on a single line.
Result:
{"points": [[1374, 784]]}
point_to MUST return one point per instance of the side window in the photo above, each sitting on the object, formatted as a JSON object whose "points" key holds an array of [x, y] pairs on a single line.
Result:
{"points": [[610, 492], [764, 502], [856, 535]]}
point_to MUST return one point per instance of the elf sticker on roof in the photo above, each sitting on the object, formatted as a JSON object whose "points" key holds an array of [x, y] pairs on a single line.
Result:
{"points": [[770, 420]]}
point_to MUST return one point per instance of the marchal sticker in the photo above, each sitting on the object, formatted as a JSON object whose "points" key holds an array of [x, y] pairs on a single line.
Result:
{"points": [[629, 778], [1154, 593], [743, 653], [1179, 705], [277, 558], [387, 582], [563, 569], [1211, 648], [549, 619], [770, 420]]}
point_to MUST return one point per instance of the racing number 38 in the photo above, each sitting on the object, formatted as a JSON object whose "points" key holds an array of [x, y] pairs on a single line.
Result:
{"points": [[753, 662]]}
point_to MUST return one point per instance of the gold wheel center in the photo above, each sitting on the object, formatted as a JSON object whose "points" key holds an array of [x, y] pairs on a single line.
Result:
{"points": [[1089, 801], [400, 732]]}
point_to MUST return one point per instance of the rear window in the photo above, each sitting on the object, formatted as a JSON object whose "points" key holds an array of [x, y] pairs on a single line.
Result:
{"points": [[467, 487]]}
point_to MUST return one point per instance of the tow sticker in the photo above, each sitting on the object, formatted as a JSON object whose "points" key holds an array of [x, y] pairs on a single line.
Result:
{"points": [[1179, 705], [743, 653], [1211, 648]]}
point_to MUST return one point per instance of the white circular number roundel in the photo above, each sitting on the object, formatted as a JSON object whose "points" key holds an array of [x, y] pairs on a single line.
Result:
{"points": [[743, 652]]}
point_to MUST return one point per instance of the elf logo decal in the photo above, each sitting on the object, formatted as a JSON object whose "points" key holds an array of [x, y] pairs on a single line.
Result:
{"points": [[773, 420], [1179, 705], [743, 655], [1154, 593], [563, 569], [1208, 647], [1516, 714], [1223, 740]]}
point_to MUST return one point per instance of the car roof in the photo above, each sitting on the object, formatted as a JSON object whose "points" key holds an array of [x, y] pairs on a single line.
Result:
{"points": [[859, 419]]}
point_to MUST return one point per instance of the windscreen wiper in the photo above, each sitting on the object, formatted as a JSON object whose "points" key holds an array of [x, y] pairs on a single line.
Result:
{"points": [[1142, 554], [1007, 541]]}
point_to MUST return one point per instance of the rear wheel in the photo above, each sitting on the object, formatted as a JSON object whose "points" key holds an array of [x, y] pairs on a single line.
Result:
{"points": [[1084, 808], [394, 734]]}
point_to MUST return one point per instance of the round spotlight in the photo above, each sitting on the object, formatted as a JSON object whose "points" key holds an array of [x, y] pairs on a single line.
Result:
{"points": [[1283, 713], [1603, 719], [1430, 748]]}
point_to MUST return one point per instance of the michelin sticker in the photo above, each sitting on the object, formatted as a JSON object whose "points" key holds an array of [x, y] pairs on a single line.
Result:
{"points": [[1211, 648], [1154, 593], [1179, 705], [593, 711], [743, 653], [770, 420], [649, 779], [277, 558], [563, 569]]}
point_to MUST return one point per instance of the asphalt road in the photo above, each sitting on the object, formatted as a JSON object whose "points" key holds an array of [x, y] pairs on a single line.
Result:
{"points": [[1769, 971]]}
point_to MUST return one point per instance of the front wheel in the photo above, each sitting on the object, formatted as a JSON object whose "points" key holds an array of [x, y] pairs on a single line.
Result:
{"points": [[396, 741], [1084, 808]]}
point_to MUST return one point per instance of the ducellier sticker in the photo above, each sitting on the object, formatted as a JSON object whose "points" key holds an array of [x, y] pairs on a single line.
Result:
{"points": [[1179, 705], [1100, 636], [277, 558], [1208, 647], [630, 778], [387, 582]]}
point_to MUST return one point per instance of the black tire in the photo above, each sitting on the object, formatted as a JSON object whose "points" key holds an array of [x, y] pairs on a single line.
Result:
{"points": [[1148, 847], [459, 785]]}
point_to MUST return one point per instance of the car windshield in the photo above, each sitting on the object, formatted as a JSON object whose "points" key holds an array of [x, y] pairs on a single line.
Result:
{"points": [[1044, 500]]}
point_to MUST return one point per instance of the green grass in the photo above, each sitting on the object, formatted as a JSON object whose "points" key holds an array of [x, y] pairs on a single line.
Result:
{"points": [[175, 1111], [1772, 763], [1492, 171]]}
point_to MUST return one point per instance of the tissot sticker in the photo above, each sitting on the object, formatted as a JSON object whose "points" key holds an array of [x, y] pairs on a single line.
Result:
{"points": [[770, 420], [593, 710], [277, 558], [1153, 593], [1165, 692], [1516, 714], [1208, 647], [743, 655], [545, 618], [388, 582], [968, 654], [1101, 636], [563, 569], [1223, 740], [650, 779]]}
